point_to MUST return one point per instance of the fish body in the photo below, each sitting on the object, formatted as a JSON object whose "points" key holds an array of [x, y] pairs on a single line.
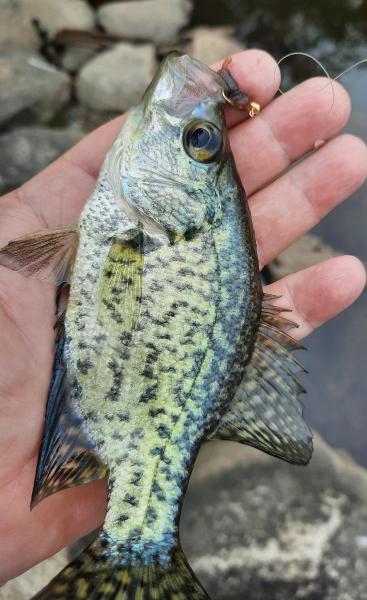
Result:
{"points": [[150, 395], [155, 353]]}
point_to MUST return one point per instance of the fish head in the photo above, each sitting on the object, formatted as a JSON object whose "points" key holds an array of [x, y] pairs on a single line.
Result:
{"points": [[175, 150]]}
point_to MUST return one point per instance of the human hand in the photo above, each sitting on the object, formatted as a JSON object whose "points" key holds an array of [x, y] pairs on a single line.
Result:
{"points": [[282, 210]]}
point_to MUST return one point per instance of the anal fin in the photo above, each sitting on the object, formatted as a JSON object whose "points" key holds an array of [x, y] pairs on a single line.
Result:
{"points": [[266, 411], [67, 456]]}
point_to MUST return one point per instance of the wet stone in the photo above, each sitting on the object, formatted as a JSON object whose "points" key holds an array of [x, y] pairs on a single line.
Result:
{"points": [[19, 160], [157, 21], [213, 44], [117, 78], [16, 16], [30, 88], [74, 57]]}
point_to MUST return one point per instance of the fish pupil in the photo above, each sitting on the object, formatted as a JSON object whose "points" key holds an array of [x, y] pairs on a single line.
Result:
{"points": [[200, 138]]}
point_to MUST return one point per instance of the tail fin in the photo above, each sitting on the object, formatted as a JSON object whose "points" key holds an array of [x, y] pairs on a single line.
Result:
{"points": [[91, 578]]}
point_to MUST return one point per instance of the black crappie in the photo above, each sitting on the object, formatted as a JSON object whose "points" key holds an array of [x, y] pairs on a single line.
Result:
{"points": [[167, 340]]}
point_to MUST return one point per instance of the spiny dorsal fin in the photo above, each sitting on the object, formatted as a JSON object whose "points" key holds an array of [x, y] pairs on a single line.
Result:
{"points": [[266, 412], [67, 457], [48, 255]]}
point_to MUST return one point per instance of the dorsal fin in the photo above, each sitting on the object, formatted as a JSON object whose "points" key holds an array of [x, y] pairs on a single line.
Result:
{"points": [[266, 412], [67, 456]]}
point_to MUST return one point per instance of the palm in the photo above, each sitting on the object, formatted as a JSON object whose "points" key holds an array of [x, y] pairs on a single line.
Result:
{"points": [[282, 210]]}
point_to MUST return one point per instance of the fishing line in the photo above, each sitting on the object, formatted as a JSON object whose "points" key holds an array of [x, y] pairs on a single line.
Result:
{"points": [[360, 62], [323, 68]]}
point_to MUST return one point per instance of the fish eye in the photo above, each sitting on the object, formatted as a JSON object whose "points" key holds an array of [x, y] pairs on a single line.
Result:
{"points": [[203, 141]]}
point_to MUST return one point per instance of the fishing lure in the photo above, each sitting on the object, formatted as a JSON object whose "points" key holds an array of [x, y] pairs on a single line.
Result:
{"points": [[167, 340]]}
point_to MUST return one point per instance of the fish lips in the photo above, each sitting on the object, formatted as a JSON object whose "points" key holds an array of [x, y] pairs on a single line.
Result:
{"points": [[182, 84]]}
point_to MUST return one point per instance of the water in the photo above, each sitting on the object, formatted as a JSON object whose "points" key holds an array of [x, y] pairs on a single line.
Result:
{"points": [[336, 33]]}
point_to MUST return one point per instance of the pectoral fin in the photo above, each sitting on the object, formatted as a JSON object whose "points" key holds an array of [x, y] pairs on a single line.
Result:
{"points": [[120, 292], [67, 456], [266, 412], [47, 255]]}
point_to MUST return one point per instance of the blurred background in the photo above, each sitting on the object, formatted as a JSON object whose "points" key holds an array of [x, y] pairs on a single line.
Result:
{"points": [[253, 527]]}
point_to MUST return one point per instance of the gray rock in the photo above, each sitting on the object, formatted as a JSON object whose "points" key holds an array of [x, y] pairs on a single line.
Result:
{"points": [[15, 27], [26, 151], [158, 21], [213, 44], [16, 16], [256, 528], [30, 87], [116, 78], [306, 251], [74, 57], [55, 16]]}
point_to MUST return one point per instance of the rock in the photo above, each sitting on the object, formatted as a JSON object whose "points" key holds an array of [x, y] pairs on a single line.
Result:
{"points": [[306, 251], [158, 21], [84, 118], [213, 44], [28, 584], [20, 161], [255, 527], [54, 16], [30, 88], [75, 57], [116, 78], [16, 29], [16, 17]]}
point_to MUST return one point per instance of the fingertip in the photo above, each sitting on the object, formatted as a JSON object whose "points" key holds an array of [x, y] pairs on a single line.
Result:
{"points": [[341, 105], [341, 280], [320, 292], [259, 71], [345, 99], [353, 272], [355, 156]]}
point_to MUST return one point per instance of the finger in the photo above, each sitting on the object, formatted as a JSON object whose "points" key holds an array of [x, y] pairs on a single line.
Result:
{"points": [[286, 129], [297, 201], [319, 293], [59, 192]]}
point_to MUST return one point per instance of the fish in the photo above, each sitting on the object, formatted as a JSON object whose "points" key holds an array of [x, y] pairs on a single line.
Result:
{"points": [[167, 340]]}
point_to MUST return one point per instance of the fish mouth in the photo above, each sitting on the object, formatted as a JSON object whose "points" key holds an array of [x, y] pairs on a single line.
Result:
{"points": [[181, 83]]}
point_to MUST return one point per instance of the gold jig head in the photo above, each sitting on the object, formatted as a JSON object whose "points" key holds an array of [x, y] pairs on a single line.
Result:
{"points": [[253, 109]]}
